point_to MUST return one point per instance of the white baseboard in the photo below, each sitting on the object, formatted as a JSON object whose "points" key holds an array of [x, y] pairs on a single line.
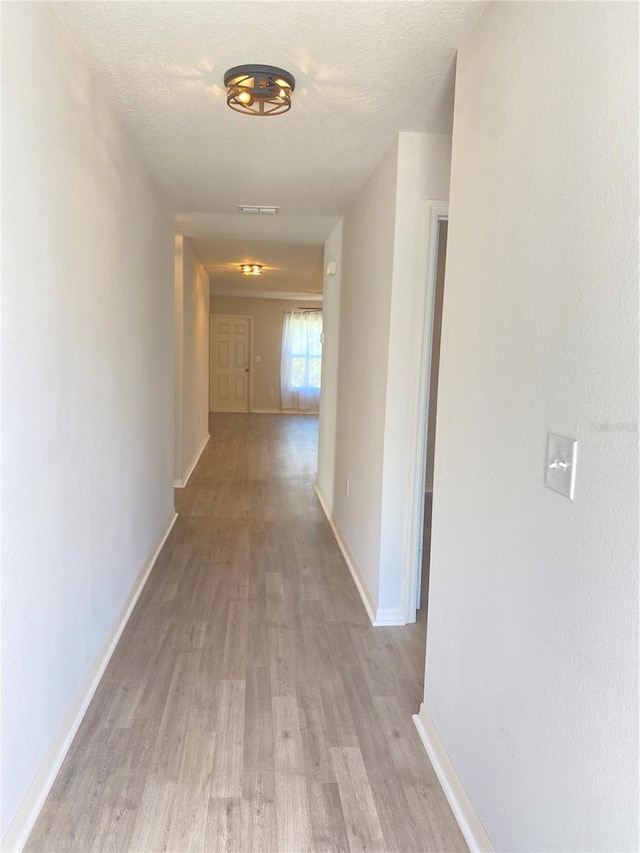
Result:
{"points": [[280, 412], [470, 824], [391, 616], [180, 484], [365, 595], [29, 809], [263, 412]]}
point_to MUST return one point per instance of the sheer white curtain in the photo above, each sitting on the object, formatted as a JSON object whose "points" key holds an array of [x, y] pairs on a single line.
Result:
{"points": [[300, 367]]}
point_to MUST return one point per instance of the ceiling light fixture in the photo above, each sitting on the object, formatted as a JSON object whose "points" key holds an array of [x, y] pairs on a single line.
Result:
{"points": [[259, 90], [251, 269]]}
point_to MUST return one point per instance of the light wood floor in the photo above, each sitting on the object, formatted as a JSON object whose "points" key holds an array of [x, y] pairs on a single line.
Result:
{"points": [[249, 704]]}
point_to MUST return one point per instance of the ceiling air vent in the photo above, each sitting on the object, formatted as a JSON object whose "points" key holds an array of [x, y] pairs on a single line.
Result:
{"points": [[256, 210]]}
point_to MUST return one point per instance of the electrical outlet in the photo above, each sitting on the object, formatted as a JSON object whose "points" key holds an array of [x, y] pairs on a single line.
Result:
{"points": [[347, 486]]}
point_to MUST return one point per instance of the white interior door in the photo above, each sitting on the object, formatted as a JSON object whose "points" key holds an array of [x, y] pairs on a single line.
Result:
{"points": [[229, 364]]}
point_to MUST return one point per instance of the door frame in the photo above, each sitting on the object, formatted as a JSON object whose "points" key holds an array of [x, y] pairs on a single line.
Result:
{"points": [[434, 212], [250, 356]]}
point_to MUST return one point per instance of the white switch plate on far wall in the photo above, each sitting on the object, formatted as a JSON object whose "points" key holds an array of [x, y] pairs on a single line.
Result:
{"points": [[561, 464]]}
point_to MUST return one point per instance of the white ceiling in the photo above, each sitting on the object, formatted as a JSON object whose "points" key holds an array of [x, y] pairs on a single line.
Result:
{"points": [[289, 247], [287, 267], [364, 71]]}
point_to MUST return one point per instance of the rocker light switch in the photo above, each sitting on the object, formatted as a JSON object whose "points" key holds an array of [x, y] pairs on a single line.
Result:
{"points": [[561, 464]]}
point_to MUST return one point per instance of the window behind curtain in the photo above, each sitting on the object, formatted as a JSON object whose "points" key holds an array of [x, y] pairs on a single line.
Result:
{"points": [[301, 360]]}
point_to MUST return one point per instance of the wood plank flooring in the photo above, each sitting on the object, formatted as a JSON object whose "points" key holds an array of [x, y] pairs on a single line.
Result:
{"points": [[249, 705]]}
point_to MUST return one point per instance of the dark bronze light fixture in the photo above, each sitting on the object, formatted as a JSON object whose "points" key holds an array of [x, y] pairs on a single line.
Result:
{"points": [[259, 90], [251, 269]]}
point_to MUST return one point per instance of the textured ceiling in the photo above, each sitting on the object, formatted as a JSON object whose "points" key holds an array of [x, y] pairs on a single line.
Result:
{"points": [[290, 248], [283, 228], [287, 267], [364, 71]]}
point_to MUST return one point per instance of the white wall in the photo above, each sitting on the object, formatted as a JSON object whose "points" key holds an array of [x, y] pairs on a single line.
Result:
{"points": [[331, 288], [382, 279], [178, 353], [424, 164], [367, 269], [87, 381], [191, 321], [532, 650]]}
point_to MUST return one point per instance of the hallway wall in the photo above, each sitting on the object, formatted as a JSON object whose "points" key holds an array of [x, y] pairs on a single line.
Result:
{"points": [[191, 360], [331, 287], [424, 166], [382, 275], [532, 649], [365, 298], [87, 384]]}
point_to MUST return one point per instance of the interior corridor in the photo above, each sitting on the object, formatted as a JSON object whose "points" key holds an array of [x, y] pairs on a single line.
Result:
{"points": [[249, 704]]}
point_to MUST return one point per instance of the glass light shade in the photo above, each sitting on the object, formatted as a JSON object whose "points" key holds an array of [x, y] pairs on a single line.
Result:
{"points": [[251, 269]]}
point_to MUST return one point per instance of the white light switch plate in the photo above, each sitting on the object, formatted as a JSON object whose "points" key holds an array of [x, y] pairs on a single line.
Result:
{"points": [[561, 464]]}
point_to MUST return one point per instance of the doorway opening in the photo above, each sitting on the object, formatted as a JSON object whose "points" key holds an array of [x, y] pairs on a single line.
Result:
{"points": [[419, 529], [432, 408]]}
